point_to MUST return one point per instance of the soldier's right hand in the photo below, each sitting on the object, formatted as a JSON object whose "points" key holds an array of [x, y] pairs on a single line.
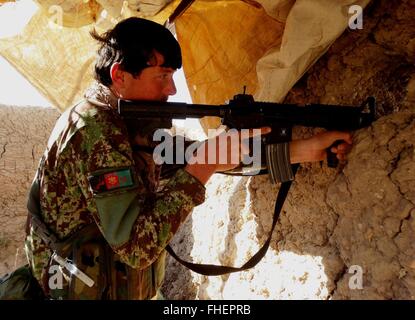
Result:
{"points": [[221, 153]]}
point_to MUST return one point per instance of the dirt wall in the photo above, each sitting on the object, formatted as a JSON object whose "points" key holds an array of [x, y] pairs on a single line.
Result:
{"points": [[345, 233], [23, 135]]}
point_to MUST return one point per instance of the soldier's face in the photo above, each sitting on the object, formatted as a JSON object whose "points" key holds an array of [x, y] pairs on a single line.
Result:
{"points": [[153, 83]]}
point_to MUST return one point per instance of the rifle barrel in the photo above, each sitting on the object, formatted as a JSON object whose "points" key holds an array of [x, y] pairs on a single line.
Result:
{"points": [[331, 117]]}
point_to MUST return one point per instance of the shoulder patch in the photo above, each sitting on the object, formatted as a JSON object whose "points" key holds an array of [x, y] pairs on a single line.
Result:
{"points": [[111, 180]]}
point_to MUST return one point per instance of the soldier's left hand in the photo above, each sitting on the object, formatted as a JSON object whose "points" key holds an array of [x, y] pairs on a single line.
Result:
{"points": [[314, 148]]}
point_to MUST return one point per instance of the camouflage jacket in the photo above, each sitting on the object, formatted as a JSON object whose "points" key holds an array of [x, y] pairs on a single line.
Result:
{"points": [[89, 174]]}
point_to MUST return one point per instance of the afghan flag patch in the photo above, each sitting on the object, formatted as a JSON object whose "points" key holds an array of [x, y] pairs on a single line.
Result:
{"points": [[111, 180]]}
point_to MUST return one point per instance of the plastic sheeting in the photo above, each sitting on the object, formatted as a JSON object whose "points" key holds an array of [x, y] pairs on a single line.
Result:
{"points": [[230, 44], [55, 51], [265, 45]]}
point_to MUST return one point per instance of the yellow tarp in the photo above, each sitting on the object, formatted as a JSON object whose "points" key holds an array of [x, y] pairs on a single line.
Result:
{"points": [[266, 45]]}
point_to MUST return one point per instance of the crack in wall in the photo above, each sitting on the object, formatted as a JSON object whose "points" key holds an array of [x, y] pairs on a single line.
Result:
{"points": [[4, 150], [336, 280]]}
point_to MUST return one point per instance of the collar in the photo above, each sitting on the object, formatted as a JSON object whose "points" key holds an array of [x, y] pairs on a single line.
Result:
{"points": [[101, 95]]}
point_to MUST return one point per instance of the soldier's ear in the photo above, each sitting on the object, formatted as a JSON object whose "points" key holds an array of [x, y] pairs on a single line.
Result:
{"points": [[117, 75]]}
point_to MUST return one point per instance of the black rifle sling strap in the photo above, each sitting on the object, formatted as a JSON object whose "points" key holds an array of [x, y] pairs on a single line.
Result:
{"points": [[215, 270], [35, 221]]}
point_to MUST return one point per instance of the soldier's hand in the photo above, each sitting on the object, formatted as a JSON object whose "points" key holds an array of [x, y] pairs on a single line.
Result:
{"points": [[221, 153], [230, 154], [314, 148]]}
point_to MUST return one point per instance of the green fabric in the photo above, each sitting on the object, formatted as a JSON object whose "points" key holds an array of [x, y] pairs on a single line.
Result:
{"points": [[20, 285], [117, 227]]}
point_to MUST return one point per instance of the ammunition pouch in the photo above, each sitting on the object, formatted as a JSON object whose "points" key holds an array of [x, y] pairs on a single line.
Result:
{"points": [[113, 280]]}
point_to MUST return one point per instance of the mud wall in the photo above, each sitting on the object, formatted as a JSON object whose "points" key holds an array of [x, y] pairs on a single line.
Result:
{"points": [[23, 135], [343, 234]]}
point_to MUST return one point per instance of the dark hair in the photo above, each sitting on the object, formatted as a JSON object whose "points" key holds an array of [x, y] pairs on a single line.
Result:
{"points": [[132, 43]]}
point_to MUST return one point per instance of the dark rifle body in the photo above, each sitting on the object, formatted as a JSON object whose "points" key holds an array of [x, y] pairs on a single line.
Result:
{"points": [[242, 112]]}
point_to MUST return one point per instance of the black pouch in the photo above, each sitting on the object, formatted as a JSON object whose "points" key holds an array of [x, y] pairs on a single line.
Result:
{"points": [[20, 285]]}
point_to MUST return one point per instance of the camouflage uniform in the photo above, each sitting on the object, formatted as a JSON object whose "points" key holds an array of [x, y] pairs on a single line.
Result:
{"points": [[89, 174]]}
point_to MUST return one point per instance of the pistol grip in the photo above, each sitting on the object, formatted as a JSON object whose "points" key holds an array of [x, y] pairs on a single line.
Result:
{"points": [[332, 161]]}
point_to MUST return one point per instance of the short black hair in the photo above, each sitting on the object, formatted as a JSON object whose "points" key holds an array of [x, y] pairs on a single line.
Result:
{"points": [[132, 43]]}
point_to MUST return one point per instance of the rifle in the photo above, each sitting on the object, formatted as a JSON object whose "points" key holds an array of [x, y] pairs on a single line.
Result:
{"points": [[242, 112]]}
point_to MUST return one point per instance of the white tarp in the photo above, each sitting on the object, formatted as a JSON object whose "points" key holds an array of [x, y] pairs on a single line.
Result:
{"points": [[266, 45]]}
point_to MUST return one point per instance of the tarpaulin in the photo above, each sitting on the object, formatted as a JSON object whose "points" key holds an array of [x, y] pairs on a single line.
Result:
{"points": [[265, 45]]}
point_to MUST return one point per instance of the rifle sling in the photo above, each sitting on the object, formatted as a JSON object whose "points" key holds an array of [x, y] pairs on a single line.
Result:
{"points": [[62, 247], [215, 270], [35, 220]]}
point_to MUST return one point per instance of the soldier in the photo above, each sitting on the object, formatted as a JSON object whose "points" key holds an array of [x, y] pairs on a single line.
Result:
{"points": [[96, 198]]}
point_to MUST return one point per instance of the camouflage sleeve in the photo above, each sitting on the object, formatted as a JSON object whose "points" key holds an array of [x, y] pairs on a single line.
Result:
{"points": [[137, 224], [160, 215]]}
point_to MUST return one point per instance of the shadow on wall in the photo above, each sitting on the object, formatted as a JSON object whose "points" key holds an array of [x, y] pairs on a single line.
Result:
{"points": [[178, 284]]}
